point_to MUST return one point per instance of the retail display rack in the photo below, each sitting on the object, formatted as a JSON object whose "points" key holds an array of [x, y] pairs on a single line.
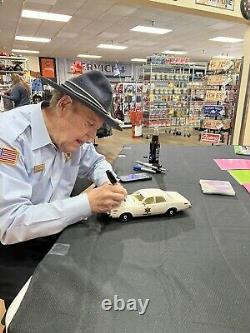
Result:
{"points": [[167, 96], [126, 96], [9, 65], [221, 90]]}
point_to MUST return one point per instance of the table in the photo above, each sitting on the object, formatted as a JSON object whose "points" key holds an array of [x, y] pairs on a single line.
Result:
{"points": [[193, 267]]}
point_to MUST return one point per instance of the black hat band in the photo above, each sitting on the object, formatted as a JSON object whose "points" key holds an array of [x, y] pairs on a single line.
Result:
{"points": [[89, 99]]}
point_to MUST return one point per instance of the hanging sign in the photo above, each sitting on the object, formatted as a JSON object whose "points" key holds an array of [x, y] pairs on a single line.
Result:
{"points": [[223, 4], [217, 64], [48, 67], [215, 95], [213, 110], [216, 124], [108, 69], [176, 60], [167, 59], [218, 80], [210, 138]]}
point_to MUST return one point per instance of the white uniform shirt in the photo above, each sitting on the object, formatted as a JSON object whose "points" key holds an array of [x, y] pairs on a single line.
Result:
{"points": [[34, 192]]}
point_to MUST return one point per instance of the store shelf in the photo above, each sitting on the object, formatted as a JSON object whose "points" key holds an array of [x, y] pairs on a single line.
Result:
{"points": [[10, 72], [5, 74]]}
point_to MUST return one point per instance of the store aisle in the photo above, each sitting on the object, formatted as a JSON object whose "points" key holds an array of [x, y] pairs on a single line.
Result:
{"points": [[110, 146]]}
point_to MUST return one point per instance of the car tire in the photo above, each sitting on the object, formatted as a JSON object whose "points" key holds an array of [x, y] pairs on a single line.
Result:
{"points": [[125, 217], [171, 211]]}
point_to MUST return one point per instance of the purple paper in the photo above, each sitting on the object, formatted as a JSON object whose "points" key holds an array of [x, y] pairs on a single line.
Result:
{"points": [[247, 187], [233, 164]]}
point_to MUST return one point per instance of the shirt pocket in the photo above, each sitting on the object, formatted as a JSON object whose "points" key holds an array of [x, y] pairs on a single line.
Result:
{"points": [[69, 178], [41, 190]]}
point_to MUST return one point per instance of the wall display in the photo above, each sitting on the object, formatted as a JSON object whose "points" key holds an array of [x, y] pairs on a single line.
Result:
{"points": [[126, 97], [224, 4], [245, 8], [167, 97], [9, 65], [48, 67], [222, 88]]}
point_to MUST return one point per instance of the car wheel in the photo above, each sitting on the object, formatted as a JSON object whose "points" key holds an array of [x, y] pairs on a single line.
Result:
{"points": [[125, 217], [171, 211]]}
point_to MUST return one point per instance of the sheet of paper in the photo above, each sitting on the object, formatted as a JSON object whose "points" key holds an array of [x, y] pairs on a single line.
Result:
{"points": [[233, 164], [209, 186], [247, 187], [242, 150], [241, 176]]}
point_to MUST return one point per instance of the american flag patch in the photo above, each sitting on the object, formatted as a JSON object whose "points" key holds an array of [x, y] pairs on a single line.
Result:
{"points": [[8, 156]]}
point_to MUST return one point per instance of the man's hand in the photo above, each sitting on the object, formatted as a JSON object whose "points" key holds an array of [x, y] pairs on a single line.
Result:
{"points": [[102, 199]]}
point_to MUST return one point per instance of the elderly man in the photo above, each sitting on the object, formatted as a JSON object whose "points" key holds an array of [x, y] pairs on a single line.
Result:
{"points": [[41, 149]]}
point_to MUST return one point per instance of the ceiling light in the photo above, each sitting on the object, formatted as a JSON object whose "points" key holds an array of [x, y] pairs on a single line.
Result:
{"points": [[23, 51], [89, 56], [174, 52], [150, 30], [225, 57], [33, 39], [139, 60], [226, 39], [45, 16], [112, 46]]}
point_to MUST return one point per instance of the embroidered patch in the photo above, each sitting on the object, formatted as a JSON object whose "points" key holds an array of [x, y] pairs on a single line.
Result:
{"points": [[39, 168], [8, 156]]}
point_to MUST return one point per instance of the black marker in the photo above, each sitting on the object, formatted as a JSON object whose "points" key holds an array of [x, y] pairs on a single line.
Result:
{"points": [[111, 177]]}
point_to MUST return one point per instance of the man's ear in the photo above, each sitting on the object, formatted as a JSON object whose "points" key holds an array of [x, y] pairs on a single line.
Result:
{"points": [[64, 102]]}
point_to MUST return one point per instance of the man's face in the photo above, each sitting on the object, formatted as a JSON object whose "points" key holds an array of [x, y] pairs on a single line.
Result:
{"points": [[76, 124]]}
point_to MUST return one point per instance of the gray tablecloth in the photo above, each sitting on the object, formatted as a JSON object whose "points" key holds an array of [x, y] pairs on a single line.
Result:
{"points": [[194, 267]]}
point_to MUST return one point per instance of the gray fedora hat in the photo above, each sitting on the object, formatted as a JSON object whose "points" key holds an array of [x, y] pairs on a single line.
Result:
{"points": [[92, 89]]}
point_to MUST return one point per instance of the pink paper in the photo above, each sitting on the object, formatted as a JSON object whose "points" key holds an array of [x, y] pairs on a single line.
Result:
{"points": [[247, 187], [233, 164]]}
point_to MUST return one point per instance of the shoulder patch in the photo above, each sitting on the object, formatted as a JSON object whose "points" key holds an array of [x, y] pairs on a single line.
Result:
{"points": [[8, 156]]}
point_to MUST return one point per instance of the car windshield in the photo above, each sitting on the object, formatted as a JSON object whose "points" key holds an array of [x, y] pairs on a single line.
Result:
{"points": [[138, 196]]}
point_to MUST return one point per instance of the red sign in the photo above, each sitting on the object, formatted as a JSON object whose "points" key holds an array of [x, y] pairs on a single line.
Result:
{"points": [[48, 67], [210, 138], [176, 60]]}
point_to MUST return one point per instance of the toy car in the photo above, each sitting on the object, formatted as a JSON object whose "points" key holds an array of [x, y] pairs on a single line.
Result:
{"points": [[150, 201]]}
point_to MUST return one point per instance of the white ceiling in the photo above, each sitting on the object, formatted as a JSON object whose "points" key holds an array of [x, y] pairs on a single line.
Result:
{"points": [[107, 21]]}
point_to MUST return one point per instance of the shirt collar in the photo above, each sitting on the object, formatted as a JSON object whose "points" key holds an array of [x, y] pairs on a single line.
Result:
{"points": [[40, 135]]}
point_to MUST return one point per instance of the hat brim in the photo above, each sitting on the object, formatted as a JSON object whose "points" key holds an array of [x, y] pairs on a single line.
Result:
{"points": [[107, 118]]}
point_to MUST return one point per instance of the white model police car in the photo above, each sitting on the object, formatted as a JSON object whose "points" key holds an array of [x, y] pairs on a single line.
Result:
{"points": [[151, 201]]}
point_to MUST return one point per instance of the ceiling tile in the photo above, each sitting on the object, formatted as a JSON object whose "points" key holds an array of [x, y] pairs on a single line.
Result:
{"points": [[122, 10], [43, 2], [96, 21]]}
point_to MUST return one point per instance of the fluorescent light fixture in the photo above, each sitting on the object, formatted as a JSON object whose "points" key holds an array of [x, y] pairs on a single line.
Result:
{"points": [[150, 30], [226, 39], [112, 46], [139, 60], [45, 16], [225, 57], [33, 39], [23, 51], [174, 52], [93, 56]]}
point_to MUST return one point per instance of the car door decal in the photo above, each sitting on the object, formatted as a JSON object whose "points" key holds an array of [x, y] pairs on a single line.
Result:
{"points": [[147, 211]]}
